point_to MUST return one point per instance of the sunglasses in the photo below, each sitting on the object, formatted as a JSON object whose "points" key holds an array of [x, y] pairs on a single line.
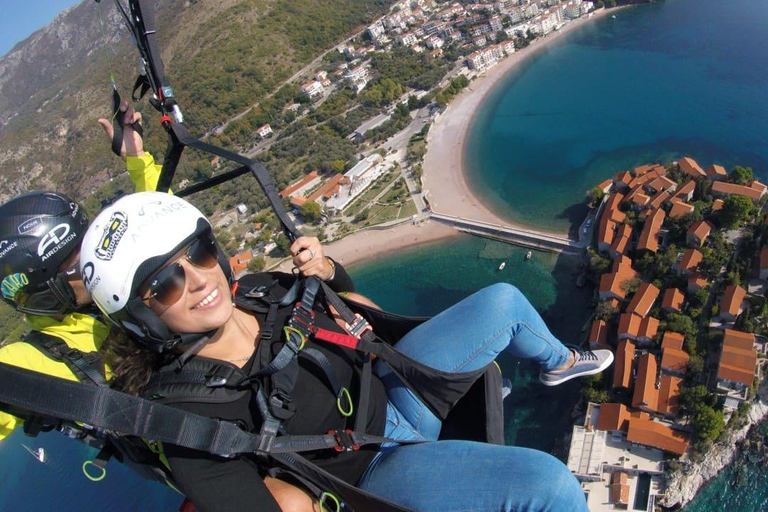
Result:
{"points": [[167, 286]]}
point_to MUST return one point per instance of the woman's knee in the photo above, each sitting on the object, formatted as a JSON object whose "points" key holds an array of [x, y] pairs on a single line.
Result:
{"points": [[563, 490]]}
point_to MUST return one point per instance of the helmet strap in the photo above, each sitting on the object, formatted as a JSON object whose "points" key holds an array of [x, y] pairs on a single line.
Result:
{"points": [[58, 297]]}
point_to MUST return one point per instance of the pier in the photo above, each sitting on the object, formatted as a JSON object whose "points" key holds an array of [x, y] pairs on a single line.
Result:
{"points": [[523, 237]]}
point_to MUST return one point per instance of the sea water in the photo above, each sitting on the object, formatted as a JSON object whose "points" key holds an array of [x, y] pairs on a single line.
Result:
{"points": [[673, 78]]}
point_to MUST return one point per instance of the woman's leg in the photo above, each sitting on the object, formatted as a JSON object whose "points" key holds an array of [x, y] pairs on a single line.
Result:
{"points": [[461, 476], [468, 336]]}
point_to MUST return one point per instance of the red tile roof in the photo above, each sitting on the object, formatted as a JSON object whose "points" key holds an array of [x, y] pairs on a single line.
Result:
{"points": [[732, 299], [649, 236], [646, 394], [619, 488], [690, 260], [680, 209], [688, 188], [673, 299], [658, 435], [629, 325], [622, 368], [621, 240], [649, 326], [599, 333], [716, 171], [738, 359], [287, 191], [696, 281], [239, 262], [642, 169], [612, 207], [617, 417], [669, 394], [699, 231], [674, 359], [730, 189], [662, 183], [605, 186], [643, 300], [717, 205], [689, 166], [605, 230], [672, 340]]}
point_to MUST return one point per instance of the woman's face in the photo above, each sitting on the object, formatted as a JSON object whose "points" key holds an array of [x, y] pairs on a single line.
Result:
{"points": [[205, 303]]}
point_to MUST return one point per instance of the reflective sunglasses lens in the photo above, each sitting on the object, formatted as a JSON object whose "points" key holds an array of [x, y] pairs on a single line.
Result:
{"points": [[203, 253], [168, 285]]}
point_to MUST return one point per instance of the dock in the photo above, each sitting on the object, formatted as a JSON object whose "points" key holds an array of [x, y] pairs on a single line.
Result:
{"points": [[523, 237]]}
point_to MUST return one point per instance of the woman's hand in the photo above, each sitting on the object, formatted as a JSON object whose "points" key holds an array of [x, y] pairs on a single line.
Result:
{"points": [[132, 145], [308, 257]]}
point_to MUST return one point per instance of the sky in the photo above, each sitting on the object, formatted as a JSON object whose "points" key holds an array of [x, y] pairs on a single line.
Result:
{"points": [[22, 17]]}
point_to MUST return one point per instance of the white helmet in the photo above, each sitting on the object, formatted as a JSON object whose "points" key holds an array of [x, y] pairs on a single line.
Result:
{"points": [[126, 243]]}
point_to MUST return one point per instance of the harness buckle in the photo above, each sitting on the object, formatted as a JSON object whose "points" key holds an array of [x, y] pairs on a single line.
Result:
{"points": [[359, 326], [302, 319], [344, 440], [281, 406]]}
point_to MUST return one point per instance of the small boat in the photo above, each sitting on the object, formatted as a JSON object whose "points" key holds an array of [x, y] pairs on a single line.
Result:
{"points": [[39, 454], [503, 264], [613, 16], [528, 255]]}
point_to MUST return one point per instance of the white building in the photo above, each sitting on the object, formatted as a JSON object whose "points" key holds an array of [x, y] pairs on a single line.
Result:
{"points": [[495, 24], [434, 42], [321, 75], [407, 39], [312, 88], [376, 30], [360, 177], [356, 73], [264, 131]]}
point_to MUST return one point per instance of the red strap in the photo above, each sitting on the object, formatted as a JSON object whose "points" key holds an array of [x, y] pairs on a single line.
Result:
{"points": [[345, 340]]}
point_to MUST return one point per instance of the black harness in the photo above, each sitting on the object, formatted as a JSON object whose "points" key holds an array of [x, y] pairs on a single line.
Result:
{"points": [[468, 403]]}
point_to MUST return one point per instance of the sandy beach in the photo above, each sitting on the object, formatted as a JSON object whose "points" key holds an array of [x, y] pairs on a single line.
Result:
{"points": [[444, 173], [444, 170]]}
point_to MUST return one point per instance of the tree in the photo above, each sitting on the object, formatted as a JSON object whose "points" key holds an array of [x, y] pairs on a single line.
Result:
{"points": [[604, 311], [742, 175], [680, 323], [596, 194], [690, 396], [708, 422], [735, 210], [257, 264], [311, 211]]}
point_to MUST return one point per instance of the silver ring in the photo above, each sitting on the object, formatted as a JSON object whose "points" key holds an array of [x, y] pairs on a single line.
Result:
{"points": [[311, 254]]}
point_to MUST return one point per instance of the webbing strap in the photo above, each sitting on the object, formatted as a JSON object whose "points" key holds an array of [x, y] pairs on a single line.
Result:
{"points": [[257, 169], [106, 408], [58, 350], [344, 340]]}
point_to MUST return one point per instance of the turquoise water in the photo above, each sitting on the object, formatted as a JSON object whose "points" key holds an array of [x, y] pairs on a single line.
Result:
{"points": [[679, 77]]}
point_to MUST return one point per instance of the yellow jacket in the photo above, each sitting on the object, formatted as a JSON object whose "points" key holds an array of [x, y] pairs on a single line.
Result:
{"points": [[79, 331]]}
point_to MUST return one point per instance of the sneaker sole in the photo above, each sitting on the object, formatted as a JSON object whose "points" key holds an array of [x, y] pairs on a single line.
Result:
{"points": [[599, 369]]}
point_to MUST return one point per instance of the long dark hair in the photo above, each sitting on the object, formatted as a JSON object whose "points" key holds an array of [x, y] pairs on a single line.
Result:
{"points": [[132, 366]]}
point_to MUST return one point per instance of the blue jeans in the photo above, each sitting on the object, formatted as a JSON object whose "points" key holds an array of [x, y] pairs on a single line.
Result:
{"points": [[462, 475]]}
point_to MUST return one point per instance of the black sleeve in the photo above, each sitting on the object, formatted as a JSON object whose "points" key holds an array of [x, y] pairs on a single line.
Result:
{"points": [[341, 281], [219, 485]]}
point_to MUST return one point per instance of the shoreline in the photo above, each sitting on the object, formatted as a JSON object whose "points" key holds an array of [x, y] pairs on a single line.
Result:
{"points": [[445, 171], [444, 177]]}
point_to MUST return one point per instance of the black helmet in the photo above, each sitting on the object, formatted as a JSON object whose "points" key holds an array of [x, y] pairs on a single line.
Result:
{"points": [[38, 232]]}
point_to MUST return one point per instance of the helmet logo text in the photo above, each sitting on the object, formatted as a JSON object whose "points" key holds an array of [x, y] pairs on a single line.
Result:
{"points": [[29, 225], [6, 247], [57, 237], [113, 233], [12, 284]]}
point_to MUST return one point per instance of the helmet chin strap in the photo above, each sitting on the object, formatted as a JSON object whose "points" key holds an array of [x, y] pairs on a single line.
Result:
{"points": [[197, 340], [58, 299]]}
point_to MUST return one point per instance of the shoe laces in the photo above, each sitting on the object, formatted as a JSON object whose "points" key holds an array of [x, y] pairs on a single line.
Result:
{"points": [[582, 355]]}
